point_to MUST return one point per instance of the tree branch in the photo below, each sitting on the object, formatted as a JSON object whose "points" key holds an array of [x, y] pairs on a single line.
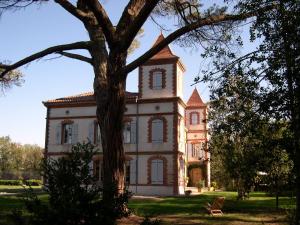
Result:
{"points": [[103, 20], [73, 10], [54, 49], [211, 20], [75, 56], [133, 18]]}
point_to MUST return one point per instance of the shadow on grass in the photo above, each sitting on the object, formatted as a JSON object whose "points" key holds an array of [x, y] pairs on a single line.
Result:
{"points": [[257, 203]]}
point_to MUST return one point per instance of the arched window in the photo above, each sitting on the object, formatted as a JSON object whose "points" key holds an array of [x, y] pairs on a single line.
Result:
{"points": [[194, 118], [157, 79], [67, 132], [157, 131], [157, 171]]}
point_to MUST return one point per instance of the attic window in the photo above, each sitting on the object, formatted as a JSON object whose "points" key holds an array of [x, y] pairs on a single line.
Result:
{"points": [[194, 118], [157, 80]]}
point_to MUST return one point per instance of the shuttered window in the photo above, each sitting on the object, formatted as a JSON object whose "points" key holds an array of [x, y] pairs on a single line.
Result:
{"points": [[157, 80], [129, 132], [196, 148], [94, 133], [157, 174], [157, 131], [194, 118], [67, 134]]}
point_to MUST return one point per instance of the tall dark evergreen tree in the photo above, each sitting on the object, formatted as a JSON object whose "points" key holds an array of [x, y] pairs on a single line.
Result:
{"points": [[274, 66]]}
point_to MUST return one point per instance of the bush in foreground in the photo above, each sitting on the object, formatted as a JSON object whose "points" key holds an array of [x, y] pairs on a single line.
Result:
{"points": [[74, 193]]}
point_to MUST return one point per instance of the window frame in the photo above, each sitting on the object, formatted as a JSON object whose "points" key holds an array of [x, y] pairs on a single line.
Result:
{"points": [[154, 74], [67, 140], [194, 118], [97, 134], [127, 132], [156, 163], [164, 170], [157, 80], [160, 138]]}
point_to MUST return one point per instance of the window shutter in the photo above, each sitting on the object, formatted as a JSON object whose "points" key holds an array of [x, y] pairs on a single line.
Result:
{"points": [[153, 172], [157, 131], [133, 132], [58, 134], [160, 172], [132, 171], [91, 132], [74, 133]]}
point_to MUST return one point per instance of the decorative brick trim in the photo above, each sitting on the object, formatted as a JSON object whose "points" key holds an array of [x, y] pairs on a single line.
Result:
{"points": [[196, 107], [164, 61], [165, 168], [127, 101], [163, 77], [127, 156], [175, 149], [174, 79], [67, 121], [127, 119], [47, 132], [140, 81], [198, 117], [196, 131], [165, 128]]}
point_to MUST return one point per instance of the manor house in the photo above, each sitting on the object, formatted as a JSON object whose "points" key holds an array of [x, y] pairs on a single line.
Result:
{"points": [[165, 138]]}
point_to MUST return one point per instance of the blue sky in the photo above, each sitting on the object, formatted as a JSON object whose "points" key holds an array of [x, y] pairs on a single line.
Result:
{"points": [[37, 27]]}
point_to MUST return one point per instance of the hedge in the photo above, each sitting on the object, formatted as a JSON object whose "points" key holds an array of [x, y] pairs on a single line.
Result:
{"points": [[21, 182], [33, 182], [11, 182]]}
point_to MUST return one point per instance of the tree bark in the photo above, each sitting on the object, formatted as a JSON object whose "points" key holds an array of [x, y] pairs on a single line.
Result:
{"points": [[109, 89]]}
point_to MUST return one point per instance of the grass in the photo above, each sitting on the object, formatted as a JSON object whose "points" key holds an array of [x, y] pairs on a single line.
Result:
{"points": [[258, 209], [185, 210]]}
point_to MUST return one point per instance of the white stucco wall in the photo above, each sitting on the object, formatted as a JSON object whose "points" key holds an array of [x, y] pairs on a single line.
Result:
{"points": [[179, 82], [73, 111]]}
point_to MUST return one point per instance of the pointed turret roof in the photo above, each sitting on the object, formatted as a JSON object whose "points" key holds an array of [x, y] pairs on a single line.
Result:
{"points": [[166, 52], [195, 99]]}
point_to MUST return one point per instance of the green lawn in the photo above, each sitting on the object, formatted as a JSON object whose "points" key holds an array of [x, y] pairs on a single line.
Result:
{"points": [[258, 209]]}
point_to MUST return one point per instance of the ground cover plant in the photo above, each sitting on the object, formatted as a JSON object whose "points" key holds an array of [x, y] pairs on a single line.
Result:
{"points": [[260, 208]]}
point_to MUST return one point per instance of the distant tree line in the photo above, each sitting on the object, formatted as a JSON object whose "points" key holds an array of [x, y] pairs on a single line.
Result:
{"points": [[19, 161]]}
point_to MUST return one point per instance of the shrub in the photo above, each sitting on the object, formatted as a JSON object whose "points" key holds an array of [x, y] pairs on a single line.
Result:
{"points": [[214, 185], [11, 182], [74, 194]]}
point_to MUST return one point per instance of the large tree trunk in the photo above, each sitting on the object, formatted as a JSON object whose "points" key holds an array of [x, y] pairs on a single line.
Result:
{"points": [[110, 96]]}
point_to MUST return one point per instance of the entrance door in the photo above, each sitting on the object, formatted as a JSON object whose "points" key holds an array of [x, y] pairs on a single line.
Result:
{"points": [[195, 176]]}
